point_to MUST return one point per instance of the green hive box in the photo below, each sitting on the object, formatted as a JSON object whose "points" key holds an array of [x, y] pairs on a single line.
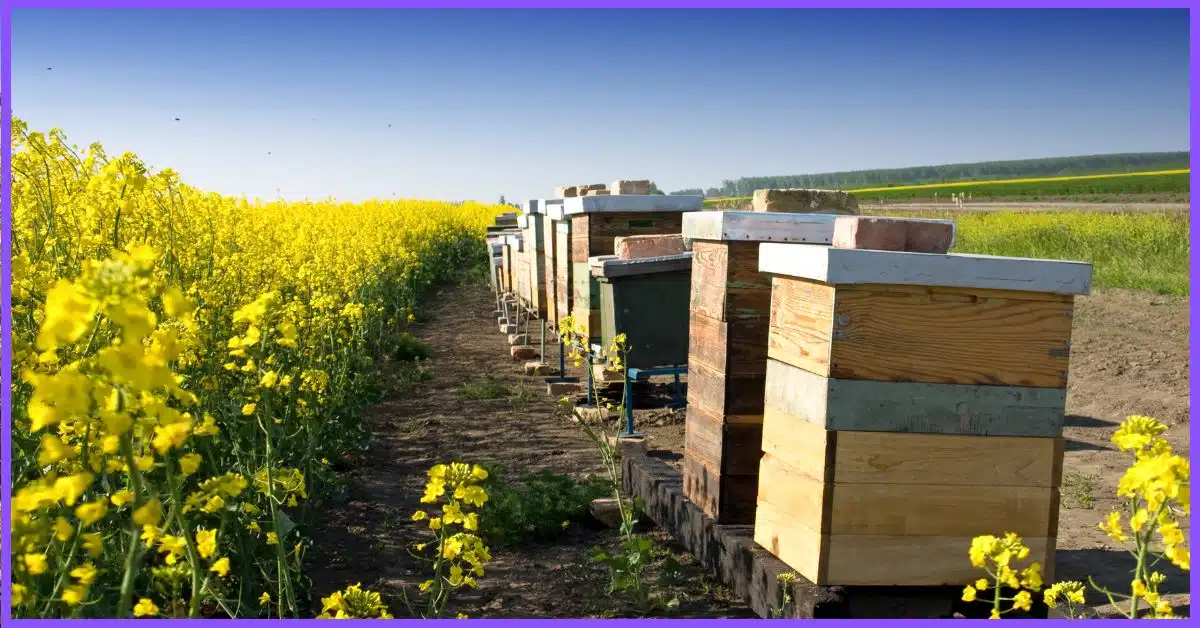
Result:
{"points": [[647, 300]]}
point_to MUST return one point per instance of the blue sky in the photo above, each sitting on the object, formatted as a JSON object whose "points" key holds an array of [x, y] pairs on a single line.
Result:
{"points": [[488, 103]]}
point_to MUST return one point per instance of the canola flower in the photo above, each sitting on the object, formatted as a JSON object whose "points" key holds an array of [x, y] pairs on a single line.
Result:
{"points": [[1157, 492], [183, 365]]}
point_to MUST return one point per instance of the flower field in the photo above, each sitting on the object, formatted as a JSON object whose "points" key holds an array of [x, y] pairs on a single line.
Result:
{"points": [[185, 368]]}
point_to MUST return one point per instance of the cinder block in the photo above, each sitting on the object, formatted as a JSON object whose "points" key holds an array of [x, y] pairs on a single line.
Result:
{"points": [[524, 352], [518, 339], [640, 246], [558, 389], [508, 329], [893, 234], [537, 368], [566, 191]]}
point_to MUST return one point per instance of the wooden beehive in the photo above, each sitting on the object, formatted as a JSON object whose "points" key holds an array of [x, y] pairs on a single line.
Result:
{"points": [[727, 354], [912, 402], [596, 221], [647, 300], [521, 271], [535, 254], [560, 261], [549, 244]]}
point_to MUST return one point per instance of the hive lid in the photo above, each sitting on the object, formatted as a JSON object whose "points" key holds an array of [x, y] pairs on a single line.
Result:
{"points": [[859, 266], [609, 266], [623, 203], [555, 211], [535, 206], [523, 221], [759, 227]]}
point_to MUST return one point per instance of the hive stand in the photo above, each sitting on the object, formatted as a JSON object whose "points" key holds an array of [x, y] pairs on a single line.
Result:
{"points": [[596, 221], [727, 355], [912, 402]]}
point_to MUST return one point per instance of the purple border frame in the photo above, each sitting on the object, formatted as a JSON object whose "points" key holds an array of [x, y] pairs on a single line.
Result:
{"points": [[6, 210]]}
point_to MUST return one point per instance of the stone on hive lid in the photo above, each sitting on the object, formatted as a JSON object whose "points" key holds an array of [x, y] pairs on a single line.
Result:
{"points": [[914, 235], [623, 186], [566, 191], [801, 200], [638, 246]]}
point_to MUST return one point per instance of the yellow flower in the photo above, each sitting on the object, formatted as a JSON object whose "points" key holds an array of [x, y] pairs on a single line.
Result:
{"points": [[35, 564], [269, 379], [272, 538], [420, 515], [221, 567], [149, 514], [264, 599], [121, 497], [85, 573], [206, 542], [969, 594], [145, 608], [981, 584], [249, 409], [189, 463], [53, 450], [63, 530], [74, 595], [93, 543], [91, 512], [1023, 601]]}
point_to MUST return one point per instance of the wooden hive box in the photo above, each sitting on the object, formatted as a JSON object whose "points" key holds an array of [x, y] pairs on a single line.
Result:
{"points": [[496, 261], [521, 263], [727, 355], [559, 262], [646, 299], [535, 244], [596, 221], [913, 401], [549, 244]]}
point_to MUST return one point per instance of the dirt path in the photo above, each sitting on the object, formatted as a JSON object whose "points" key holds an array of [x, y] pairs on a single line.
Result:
{"points": [[1129, 356], [366, 539]]}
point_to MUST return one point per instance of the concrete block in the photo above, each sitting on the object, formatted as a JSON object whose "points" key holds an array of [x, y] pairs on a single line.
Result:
{"points": [[623, 186], [805, 201], [537, 368], [893, 234], [523, 352], [558, 389]]}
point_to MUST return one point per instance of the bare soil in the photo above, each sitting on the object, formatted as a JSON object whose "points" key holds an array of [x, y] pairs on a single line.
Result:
{"points": [[1129, 356]]}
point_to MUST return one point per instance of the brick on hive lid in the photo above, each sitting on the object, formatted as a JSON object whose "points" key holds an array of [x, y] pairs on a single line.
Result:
{"points": [[643, 246], [639, 187], [878, 233], [566, 191], [584, 189], [805, 201]]}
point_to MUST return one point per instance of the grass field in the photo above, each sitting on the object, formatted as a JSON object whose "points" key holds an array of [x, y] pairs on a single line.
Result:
{"points": [[1159, 186], [1139, 251]]}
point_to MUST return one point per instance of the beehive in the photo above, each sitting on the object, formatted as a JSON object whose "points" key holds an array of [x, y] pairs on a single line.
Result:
{"points": [[521, 258], [559, 260], [535, 246], [727, 355], [647, 300], [549, 243], [912, 402], [596, 221]]}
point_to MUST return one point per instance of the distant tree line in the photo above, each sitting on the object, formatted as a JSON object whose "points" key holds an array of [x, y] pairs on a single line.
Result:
{"points": [[979, 171]]}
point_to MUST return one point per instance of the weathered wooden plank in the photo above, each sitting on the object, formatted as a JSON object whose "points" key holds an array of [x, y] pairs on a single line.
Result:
{"points": [[625, 203], [562, 265], [802, 445], [864, 405], [729, 499], [759, 227], [724, 393], [612, 267], [710, 272], [731, 446], [550, 236], [850, 266]]}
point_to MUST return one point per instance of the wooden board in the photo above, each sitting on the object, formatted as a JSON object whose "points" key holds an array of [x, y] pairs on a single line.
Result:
{"points": [[759, 227], [882, 560], [550, 237], [724, 394], [726, 284], [864, 405], [562, 267], [856, 266], [729, 499], [934, 335], [908, 458], [906, 509], [738, 349], [730, 444]]}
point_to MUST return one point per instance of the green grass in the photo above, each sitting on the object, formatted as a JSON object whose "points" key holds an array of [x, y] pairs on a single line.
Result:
{"points": [[1135, 250]]}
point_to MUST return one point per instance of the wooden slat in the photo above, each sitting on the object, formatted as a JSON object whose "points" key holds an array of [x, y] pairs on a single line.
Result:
{"points": [[725, 394], [938, 336], [729, 499], [579, 238], [550, 236], [748, 292], [562, 264], [710, 272], [952, 460], [732, 446], [802, 445], [866, 560], [864, 405]]}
